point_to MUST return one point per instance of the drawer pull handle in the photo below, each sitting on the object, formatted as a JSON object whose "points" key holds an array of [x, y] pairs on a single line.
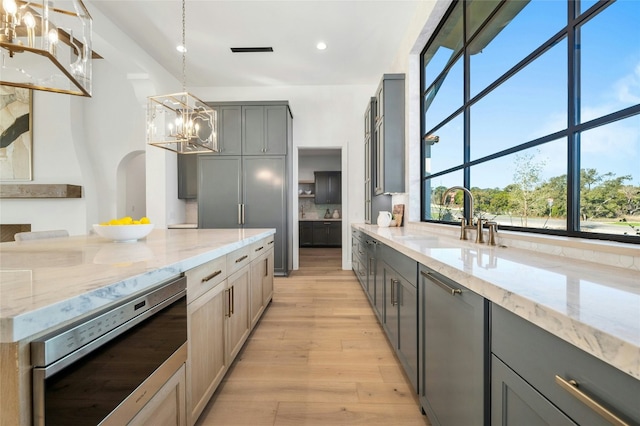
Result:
{"points": [[394, 300], [259, 248], [442, 285], [241, 259], [215, 274], [270, 242], [571, 386]]}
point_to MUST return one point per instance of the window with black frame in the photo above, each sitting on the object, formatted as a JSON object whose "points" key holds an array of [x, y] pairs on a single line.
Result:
{"points": [[535, 107]]}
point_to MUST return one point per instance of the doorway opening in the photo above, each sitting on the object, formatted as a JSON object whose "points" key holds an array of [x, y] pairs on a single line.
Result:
{"points": [[320, 198]]}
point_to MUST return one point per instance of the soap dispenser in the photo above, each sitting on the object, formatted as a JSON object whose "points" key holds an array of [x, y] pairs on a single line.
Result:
{"points": [[327, 214]]}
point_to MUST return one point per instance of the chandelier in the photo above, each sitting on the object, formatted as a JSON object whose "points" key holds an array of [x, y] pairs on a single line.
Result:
{"points": [[181, 122], [44, 46]]}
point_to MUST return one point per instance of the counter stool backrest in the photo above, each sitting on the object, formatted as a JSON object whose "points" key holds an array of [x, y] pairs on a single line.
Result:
{"points": [[37, 235]]}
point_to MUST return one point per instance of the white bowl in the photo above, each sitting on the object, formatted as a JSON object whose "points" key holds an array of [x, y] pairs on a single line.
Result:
{"points": [[123, 233], [307, 192]]}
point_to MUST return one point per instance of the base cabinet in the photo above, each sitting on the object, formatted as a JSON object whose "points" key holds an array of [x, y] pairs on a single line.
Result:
{"points": [[225, 298], [571, 381], [401, 310], [167, 407], [453, 350], [206, 359], [516, 402]]}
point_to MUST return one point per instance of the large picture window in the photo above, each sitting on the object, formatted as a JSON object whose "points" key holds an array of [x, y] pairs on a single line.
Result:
{"points": [[534, 106]]}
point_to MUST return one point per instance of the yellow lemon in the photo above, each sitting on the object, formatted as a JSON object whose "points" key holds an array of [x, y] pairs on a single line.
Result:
{"points": [[114, 222], [144, 220], [126, 220]]}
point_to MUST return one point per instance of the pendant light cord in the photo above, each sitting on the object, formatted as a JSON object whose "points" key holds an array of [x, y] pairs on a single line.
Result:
{"points": [[184, 48]]}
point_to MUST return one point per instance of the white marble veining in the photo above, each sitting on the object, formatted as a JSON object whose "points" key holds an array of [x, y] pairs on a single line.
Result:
{"points": [[593, 306], [47, 283]]}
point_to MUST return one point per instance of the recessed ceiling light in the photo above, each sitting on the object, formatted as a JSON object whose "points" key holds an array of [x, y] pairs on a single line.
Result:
{"points": [[321, 45], [180, 48]]}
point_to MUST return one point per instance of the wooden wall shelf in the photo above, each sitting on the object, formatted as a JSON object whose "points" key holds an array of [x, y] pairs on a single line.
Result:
{"points": [[43, 190]]}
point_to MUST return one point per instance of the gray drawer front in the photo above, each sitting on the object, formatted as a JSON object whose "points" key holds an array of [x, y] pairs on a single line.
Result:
{"points": [[539, 356], [404, 265]]}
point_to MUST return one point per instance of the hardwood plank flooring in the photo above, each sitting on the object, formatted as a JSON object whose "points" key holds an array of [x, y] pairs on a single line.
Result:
{"points": [[317, 357]]}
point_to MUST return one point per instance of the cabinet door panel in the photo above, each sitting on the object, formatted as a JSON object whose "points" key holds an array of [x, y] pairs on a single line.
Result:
{"points": [[206, 359], [408, 331], [276, 130], [253, 128], [187, 176], [514, 402], [454, 350], [306, 234], [167, 407], [238, 311], [230, 130], [267, 280], [219, 190], [265, 200]]}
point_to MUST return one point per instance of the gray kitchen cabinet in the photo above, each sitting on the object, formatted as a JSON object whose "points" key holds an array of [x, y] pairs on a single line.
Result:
{"points": [[373, 203], [264, 130], [327, 234], [568, 378], [187, 176], [370, 259], [229, 129], [235, 192], [229, 143], [401, 309], [453, 346], [388, 141], [305, 234], [357, 257], [328, 186], [516, 402]]}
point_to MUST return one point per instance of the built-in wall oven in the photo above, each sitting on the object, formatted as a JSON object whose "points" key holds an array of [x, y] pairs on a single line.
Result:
{"points": [[105, 369]]}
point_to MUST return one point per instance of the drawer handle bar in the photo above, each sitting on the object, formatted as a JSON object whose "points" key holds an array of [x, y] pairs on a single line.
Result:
{"points": [[259, 248], [270, 242], [241, 259], [571, 386], [442, 285], [215, 274]]}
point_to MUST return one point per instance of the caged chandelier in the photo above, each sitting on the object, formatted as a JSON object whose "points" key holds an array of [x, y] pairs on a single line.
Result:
{"points": [[181, 122], [46, 45]]}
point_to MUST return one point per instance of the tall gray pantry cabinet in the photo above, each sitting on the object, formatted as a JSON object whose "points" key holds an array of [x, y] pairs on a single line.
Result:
{"points": [[250, 190]]}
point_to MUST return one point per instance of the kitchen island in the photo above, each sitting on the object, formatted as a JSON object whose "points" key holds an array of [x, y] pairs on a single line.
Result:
{"points": [[48, 284]]}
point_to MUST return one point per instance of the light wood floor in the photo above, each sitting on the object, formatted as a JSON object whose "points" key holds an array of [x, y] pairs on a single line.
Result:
{"points": [[317, 357]]}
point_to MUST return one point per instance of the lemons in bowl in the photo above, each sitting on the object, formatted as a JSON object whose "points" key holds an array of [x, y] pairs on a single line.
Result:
{"points": [[124, 229]]}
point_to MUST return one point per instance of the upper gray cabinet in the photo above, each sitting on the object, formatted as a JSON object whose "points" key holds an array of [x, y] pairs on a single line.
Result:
{"points": [[229, 130], [388, 172], [264, 130], [328, 187]]}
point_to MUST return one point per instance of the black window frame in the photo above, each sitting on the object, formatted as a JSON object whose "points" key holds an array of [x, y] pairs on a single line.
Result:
{"points": [[571, 132]]}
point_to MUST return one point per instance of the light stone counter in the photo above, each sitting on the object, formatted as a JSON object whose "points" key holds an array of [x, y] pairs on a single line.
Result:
{"points": [[47, 283], [593, 306]]}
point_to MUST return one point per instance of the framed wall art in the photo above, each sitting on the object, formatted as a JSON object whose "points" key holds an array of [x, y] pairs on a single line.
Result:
{"points": [[16, 145]]}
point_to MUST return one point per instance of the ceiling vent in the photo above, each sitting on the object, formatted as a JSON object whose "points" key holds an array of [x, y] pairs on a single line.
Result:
{"points": [[251, 49]]}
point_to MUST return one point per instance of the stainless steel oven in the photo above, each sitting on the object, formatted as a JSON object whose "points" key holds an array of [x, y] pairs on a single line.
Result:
{"points": [[104, 369]]}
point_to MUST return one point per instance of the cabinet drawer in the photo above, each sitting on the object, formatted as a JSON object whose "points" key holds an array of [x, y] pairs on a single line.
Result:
{"points": [[261, 247], [238, 259], [538, 357], [404, 265], [204, 277]]}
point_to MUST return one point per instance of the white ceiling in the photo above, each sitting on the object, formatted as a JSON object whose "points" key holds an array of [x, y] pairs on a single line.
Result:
{"points": [[362, 38]]}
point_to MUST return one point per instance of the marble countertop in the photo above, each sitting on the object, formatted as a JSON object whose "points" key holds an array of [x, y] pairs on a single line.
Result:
{"points": [[47, 283], [592, 306], [319, 219]]}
